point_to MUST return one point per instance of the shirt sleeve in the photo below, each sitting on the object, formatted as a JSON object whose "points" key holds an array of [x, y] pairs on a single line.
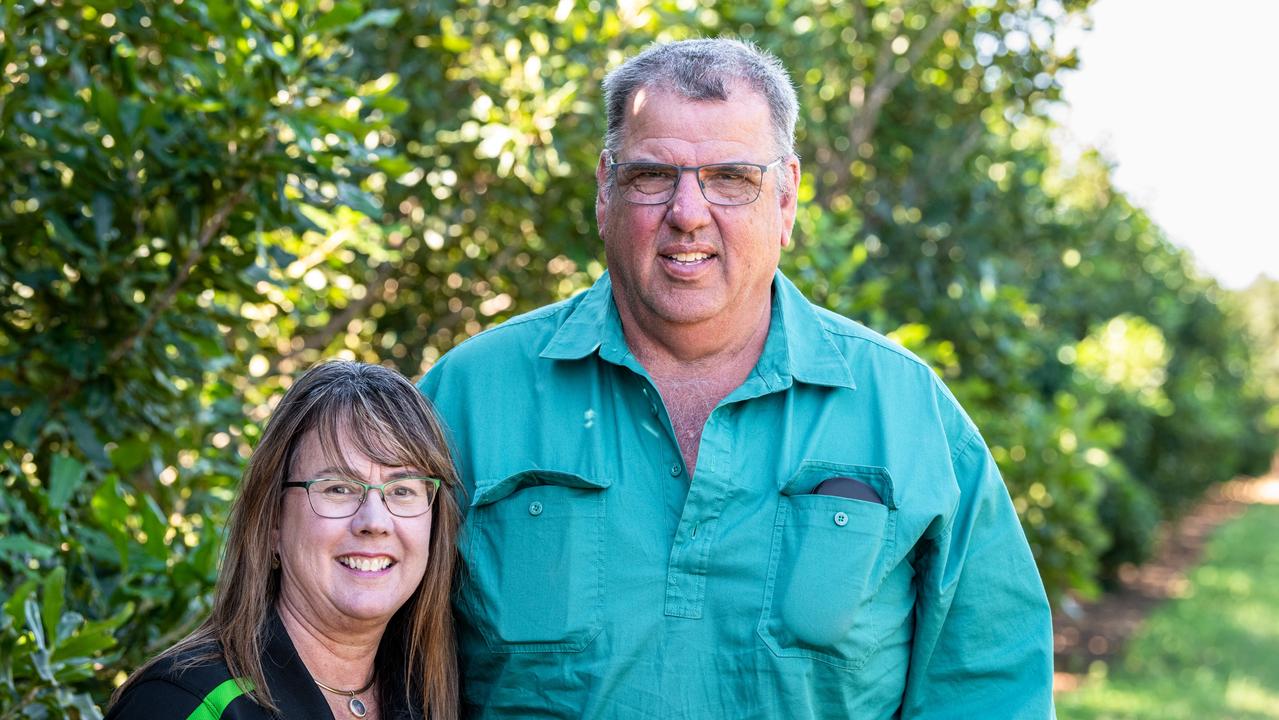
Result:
{"points": [[154, 700], [983, 627]]}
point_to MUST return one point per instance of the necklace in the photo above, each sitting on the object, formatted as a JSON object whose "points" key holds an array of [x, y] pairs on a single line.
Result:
{"points": [[354, 704]]}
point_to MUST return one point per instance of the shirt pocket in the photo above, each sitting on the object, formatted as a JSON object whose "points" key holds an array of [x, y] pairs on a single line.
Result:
{"points": [[829, 556], [533, 554]]}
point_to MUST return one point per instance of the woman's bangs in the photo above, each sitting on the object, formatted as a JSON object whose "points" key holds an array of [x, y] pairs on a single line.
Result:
{"points": [[386, 440]]}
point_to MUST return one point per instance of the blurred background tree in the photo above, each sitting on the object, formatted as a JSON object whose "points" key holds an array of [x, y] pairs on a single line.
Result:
{"points": [[202, 198]]}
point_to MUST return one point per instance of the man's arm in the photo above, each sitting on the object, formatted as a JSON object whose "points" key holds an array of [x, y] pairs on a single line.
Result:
{"points": [[983, 628]]}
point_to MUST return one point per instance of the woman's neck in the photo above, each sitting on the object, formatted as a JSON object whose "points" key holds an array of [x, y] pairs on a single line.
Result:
{"points": [[339, 658]]}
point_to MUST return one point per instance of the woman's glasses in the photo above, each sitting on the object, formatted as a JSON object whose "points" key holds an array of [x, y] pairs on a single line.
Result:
{"points": [[340, 497]]}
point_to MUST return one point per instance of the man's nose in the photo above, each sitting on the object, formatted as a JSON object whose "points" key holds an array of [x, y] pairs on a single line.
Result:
{"points": [[688, 208]]}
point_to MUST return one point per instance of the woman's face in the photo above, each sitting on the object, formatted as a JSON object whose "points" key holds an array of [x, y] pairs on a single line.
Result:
{"points": [[348, 573]]}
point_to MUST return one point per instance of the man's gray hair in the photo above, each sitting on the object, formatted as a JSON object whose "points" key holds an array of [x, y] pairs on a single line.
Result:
{"points": [[704, 69]]}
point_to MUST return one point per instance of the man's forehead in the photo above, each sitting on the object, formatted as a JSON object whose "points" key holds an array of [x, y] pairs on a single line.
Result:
{"points": [[662, 115], [656, 96]]}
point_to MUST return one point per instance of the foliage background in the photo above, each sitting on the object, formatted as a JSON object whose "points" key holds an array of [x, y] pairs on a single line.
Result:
{"points": [[203, 197]]}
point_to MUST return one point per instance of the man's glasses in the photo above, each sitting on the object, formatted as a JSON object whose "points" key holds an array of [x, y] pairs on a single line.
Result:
{"points": [[340, 497], [649, 183]]}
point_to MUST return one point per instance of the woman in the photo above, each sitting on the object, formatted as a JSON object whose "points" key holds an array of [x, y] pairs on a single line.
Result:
{"points": [[333, 596]]}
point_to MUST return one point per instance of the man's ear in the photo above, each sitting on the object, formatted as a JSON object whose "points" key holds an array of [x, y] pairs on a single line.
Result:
{"points": [[789, 200], [601, 191]]}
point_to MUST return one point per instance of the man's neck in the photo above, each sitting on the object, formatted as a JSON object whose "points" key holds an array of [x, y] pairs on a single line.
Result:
{"points": [[715, 348], [696, 366]]}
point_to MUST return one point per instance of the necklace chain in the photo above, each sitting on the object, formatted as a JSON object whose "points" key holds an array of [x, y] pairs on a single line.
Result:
{"points": [[349, 693], [356, 706]]}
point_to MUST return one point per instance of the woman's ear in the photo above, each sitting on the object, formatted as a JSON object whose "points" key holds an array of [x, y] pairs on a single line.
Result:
{"points": [[275, 547]]}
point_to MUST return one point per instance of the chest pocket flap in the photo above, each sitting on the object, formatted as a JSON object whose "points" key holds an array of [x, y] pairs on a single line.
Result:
{"points": [[533, 548], [827, 561], [488, 493]]}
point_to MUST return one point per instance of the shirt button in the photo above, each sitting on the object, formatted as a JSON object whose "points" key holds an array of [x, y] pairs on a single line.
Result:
{"points": [[841, 519], [676, 469], [535, 508]]}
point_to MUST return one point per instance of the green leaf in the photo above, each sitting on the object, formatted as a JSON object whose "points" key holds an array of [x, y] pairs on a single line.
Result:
{"points": [[395, 165], [103, 217], [358, 200], [110, 510], [14, 605], [31, 609], [40, 658], [456, 44], [29, 423], [11, 545], [86, 439], [130, 454], [51, 607], [85, 706], [62, 234], [155, 524], [67, 475], [107, 110], [384, 84], [375, 18], [92, 637], [342, 14], [283, 258], [67, 626], [389, 104]]}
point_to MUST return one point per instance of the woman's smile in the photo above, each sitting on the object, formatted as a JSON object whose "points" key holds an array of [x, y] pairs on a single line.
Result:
{"points": [[367, 564]]}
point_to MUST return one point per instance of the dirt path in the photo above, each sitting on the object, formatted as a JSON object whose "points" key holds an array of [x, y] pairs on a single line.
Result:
{"points": [[1084, 632]]}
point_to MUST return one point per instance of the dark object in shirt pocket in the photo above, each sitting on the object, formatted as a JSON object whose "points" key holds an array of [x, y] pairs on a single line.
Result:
{"points": [[833, 546], [847, 487]]}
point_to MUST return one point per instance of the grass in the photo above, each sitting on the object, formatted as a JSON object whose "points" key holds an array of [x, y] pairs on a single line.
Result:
{"points": [[1214, 653]]}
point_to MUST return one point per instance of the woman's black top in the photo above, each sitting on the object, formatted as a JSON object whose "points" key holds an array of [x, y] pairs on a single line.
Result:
{"points": [[208, 692]]}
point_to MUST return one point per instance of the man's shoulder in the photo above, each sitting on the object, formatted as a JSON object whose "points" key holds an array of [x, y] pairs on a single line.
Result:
{"points": [[851, 336], [524, 334], [876, 359]]}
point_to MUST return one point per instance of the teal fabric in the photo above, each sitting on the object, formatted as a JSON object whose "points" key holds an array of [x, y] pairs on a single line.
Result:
{"points": [[600, 583]]}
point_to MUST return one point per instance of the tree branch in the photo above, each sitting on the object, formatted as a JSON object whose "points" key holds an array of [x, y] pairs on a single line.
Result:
{"points": [[323, 336], [212, 228], [867, 104]]}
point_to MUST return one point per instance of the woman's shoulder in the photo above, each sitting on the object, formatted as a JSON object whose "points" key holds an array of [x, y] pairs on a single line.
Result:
{"points": [[178, 686]]}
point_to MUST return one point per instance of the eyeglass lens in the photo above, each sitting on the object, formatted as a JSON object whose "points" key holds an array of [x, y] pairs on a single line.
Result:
{"points": [[339, 498], [722, 184]]}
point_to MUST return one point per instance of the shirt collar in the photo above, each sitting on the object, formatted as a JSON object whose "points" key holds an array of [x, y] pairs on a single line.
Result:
{"points": [[592, 325], [798, 346], [294, 690], [291, 685]]}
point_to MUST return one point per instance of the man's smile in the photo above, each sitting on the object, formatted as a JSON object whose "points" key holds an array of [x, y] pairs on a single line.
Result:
{"points": [[690, 257]]}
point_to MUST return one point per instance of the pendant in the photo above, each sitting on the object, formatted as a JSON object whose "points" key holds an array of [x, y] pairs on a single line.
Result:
{"points": [[357, 707]]}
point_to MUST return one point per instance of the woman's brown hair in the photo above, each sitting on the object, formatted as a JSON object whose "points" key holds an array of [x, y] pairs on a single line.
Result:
{"points": [[380, 414]]}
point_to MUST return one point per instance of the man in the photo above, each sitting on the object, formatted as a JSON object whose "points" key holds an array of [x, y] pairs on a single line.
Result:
{"points": [[695, 495]]}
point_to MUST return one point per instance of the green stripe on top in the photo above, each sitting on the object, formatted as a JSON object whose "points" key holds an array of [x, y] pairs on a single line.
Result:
{"points": [[215, 702]]}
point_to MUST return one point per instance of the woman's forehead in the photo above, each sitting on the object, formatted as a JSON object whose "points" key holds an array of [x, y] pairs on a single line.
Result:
{"points": [[333, 448]]}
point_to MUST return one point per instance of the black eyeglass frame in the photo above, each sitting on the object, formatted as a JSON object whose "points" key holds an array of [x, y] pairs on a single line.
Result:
{"points": [[696, 170], [306, 485]]}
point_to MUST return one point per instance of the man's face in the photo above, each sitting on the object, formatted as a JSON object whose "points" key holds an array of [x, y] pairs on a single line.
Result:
{"points": [[688, 261]]}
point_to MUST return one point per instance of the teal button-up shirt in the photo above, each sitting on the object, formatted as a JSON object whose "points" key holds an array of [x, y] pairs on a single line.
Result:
{"points": [[599, 582]]}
